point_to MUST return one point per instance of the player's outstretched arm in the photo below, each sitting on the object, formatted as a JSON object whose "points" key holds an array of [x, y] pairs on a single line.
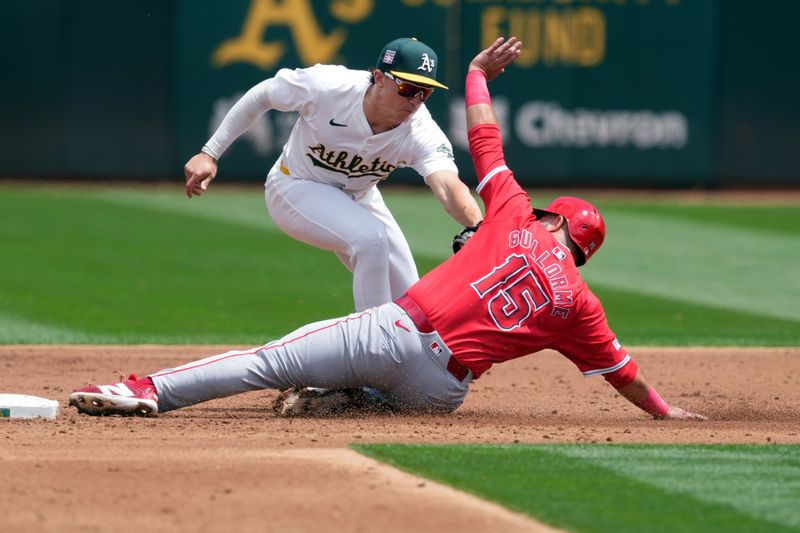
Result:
{"points": [[486, 66], [455, 197], [201, 169], [641, 394]]}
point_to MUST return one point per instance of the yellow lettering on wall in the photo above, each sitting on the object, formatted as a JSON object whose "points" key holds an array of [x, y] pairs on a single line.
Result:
{"points": [[439, 3], [312, 45], [493, 25], [589, 34], [351, 11], [526, 22], [567, 37], [556, 42]]}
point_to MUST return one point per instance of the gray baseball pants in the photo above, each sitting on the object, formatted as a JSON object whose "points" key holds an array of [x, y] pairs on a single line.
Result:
{"points": [[380, 348]]}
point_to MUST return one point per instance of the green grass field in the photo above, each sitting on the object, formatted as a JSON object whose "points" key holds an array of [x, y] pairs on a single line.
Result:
{"points": [[612, 488], [127, 265]]}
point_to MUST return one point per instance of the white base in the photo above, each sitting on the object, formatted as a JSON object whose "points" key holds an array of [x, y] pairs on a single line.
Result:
{"points": [[24, 406]]}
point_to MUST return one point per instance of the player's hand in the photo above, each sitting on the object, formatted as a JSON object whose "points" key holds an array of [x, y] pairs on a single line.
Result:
{"points": [[497, 57], [199, 171], [466, 234], [676, 413]]}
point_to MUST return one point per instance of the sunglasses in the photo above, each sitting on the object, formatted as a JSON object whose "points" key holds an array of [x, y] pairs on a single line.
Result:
{"points": [[409, 90]]}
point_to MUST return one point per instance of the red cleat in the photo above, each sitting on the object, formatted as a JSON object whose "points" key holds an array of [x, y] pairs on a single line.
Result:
{"points": [[132, 397]]}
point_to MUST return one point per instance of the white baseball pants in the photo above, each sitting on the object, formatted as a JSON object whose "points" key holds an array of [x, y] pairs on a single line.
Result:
{"points": [[360, 230], [379, 348]]}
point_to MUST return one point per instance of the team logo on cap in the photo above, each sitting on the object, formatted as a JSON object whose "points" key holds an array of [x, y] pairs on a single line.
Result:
{"points": [[388, 57], [427, 63]]}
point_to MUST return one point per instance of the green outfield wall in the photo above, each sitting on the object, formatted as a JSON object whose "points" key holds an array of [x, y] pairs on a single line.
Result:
{"points": [[662, 93]]}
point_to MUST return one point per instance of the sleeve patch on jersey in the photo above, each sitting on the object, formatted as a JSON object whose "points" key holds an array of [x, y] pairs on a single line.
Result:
{"points": [[616, 344], [614, 368], [446, 150], [490, 175]]}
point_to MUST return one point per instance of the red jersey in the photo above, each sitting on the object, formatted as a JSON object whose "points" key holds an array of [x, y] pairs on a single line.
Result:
{"points": [[513, 289]]}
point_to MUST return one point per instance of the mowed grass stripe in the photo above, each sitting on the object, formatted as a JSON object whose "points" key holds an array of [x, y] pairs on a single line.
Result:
{"points": [[426, 225], [767, 218], [242, 207], [737, 268], [578, 491], [133, 275], [17, 330], [761, 481], [652, 321]]}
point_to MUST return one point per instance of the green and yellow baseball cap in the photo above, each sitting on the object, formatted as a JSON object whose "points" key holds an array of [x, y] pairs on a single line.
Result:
{"points": [[410, 60]]}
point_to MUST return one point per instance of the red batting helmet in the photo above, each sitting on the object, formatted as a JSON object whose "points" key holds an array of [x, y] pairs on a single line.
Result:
{"points": [[586, 227]]}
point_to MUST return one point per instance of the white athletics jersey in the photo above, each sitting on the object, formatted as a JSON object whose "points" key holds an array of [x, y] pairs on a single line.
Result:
{"points": [[332, 141]]}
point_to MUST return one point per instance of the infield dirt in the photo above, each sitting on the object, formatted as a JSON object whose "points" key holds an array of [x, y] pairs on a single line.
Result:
{"points": [[231, 465]]}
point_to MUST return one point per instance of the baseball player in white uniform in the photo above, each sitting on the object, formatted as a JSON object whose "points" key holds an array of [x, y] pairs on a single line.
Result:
{"points": [[355, 127]]}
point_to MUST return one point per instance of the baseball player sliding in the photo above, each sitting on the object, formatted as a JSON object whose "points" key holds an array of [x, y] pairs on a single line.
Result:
{"points": [[513, 289], [355, 127]]}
